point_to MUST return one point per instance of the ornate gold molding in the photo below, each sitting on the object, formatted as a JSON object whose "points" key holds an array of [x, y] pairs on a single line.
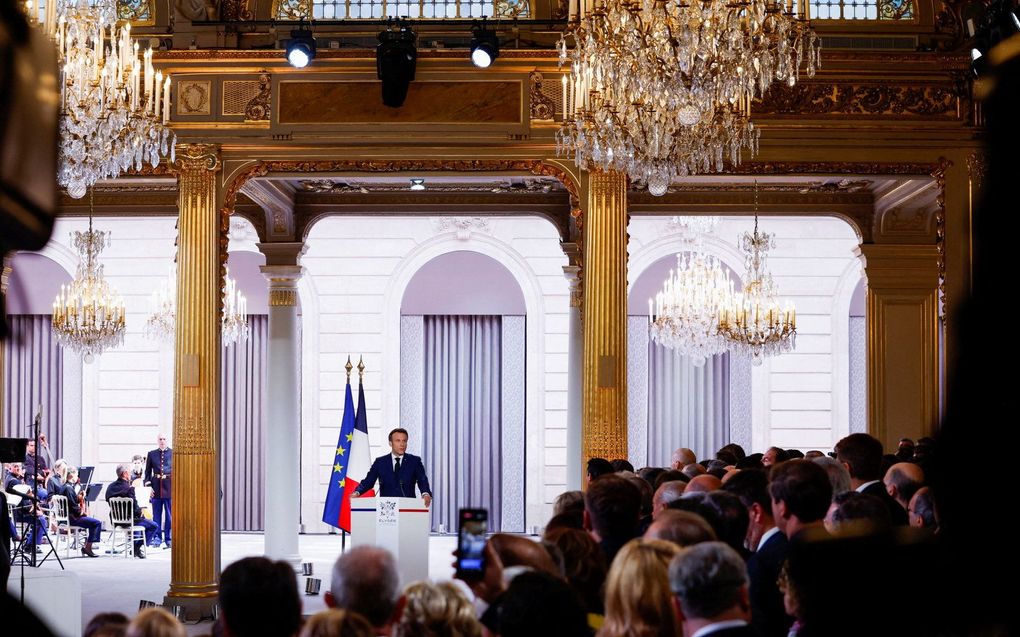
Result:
{"points": [[282, 298], [236, 10], [939, 174], [541, 106], [866, 100], [260, 106]]}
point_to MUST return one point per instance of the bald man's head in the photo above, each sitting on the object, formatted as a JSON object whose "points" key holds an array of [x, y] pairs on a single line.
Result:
{"points": [[902, 481], [693, 470], [703, 484], [683, 457], [666, 493]]}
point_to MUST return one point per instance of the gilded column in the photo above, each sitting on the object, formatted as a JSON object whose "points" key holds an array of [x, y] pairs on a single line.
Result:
{"points": [[604, 410], [195, 561], [283, 398], [575, 365], [5, 277], [902, 324]]}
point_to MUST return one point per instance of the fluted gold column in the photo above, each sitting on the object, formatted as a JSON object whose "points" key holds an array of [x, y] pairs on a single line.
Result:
{"points": [[194, 573], [604, 409], [902, 320], [5, 276]]}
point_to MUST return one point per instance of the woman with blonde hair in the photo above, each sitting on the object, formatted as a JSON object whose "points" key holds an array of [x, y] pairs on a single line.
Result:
{"points": [[337, 622], [155, 622], [638, 596], [437, 610]]}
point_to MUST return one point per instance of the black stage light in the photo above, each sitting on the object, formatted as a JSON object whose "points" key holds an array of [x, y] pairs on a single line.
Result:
{"points": [[484, 46], [300, 48], [396, 57]]}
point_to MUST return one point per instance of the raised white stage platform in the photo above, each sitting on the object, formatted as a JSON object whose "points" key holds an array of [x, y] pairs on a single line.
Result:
{"points": [[114, 583]]}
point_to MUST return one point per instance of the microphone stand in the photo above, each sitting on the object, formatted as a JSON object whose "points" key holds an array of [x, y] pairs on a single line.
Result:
{"points": [[33, 514]]}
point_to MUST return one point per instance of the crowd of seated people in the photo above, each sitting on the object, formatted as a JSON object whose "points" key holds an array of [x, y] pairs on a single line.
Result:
{"points": [[768, 545]]}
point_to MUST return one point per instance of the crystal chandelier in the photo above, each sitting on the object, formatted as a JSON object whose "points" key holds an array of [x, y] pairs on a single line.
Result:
{"points": [[88, 317], [662, 89], [684, 315], [235, 313], [754, 323], [161, 324], [114, 105]]}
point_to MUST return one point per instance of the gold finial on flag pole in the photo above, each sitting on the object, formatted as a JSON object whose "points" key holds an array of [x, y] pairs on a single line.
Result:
{"points": [[361, 368], [348, 367]]}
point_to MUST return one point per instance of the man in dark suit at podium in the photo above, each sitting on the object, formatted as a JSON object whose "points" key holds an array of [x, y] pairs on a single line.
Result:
{"points": [[397, 472]]}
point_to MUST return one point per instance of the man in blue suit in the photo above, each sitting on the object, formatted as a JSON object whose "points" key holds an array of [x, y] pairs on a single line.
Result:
{"points": [[397, 472]]}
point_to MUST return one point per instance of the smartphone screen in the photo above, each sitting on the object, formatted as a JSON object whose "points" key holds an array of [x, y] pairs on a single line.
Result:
{"points": [[473, 525]]}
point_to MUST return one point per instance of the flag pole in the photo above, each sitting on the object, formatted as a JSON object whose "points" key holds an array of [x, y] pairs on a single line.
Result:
{"points": [[343, 533]]}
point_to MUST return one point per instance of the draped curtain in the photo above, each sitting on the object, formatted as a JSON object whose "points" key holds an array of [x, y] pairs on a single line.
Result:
{"points": [[462, 419], [33, 376], [688, 406], [243, 423]]}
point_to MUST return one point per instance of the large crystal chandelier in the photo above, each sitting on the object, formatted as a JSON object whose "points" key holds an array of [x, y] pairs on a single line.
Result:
{"points": [[114, 105], [754, 323], [88, 317], [162, 321], [661, 89], [684, 315]]}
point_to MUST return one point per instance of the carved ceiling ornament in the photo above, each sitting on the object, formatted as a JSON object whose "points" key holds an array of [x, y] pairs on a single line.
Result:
{"points": [[867, 100], [541, 185], [259, 108], [939, 174], [542, 108], [235, 10], [463, 227]]}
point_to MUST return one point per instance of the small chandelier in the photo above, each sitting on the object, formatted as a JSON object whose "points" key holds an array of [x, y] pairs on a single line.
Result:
{"points": [[162, 322], [114, 106], [684, 315], [754, 323], [235, 313], [663, 89], [88, 317]]}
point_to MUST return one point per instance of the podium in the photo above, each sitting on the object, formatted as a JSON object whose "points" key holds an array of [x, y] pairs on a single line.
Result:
{"points": [[399, 525]]}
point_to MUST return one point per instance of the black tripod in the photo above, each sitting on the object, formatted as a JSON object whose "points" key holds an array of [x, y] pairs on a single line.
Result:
{"points": [[27, 514]]}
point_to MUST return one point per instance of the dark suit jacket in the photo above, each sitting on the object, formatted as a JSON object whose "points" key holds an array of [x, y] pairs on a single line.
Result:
{"points": [[123, 489], [768, 615], [738, 631], [156, 466], [896, 512], [412, 472]]}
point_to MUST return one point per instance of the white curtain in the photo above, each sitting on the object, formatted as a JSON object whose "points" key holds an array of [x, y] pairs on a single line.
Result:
{"points": [[688, 406], [242, 432], [462, 415]]}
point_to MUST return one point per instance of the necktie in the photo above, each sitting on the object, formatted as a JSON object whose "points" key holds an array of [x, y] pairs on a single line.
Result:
{"points": [[396, 467]]}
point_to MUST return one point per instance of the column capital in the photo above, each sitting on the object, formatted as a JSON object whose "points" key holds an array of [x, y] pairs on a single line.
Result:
{"points": [[573, 276], [283, 253], [283, 280], [5, 275], [901, 266], [197, 157]]}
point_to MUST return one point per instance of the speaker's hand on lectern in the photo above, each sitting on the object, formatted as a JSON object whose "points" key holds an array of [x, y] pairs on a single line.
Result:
{"points": [[355, 494], [428, 500]]}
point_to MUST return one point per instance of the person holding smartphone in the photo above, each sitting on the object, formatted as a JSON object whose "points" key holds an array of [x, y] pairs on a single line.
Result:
{"points": [[397, 472]]}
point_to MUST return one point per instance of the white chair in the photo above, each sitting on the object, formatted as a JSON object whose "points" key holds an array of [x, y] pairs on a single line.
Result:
{"points": [[65, 533], [122, 521]]}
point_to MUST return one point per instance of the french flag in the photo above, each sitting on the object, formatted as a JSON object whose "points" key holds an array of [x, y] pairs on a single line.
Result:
{"points": [[360, 461]]}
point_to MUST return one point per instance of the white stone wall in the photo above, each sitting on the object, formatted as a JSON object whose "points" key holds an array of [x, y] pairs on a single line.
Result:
{"points": [[799, 399], [360, 268]]}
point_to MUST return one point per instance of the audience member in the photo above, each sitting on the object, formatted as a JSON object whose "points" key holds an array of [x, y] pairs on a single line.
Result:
{"points": [[666, 493], [569, 520], [801, 493], [255, 583], [814, 453], [794, 454], [518, 551], [854, 513], [568, 501], [768, 616], [703, 484], [584, 566], [710, 584], [649, 474], [621, 465], [670, 476], [611, 511], [774, 455], [902, 481], [839, 477], [334, 622], [862, 456], [638, 592], [106, 625], [682, 457], [905, 450], [537, 604], [735, 449], [921, 510], [157, 622], [365, 580], [682, 528], [693, 470], [437, 610], [733, 520], [598, 467]]}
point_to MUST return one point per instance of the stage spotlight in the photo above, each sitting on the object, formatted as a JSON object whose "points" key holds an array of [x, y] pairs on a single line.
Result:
{"points": [[484, 46], [396, 57], [300, 48]]}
